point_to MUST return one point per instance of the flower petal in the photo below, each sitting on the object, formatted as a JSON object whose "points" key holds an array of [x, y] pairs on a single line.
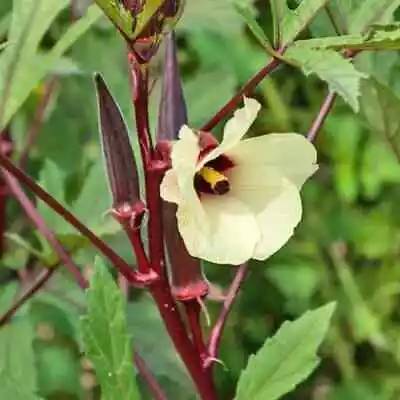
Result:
{"points": [[291, 153], [227, 234], [169, 189], [234, 129], [273, 199], [184, 156], [277, 222]]}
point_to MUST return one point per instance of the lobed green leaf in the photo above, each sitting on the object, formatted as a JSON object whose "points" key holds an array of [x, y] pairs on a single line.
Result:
{"points": [[371, 12], [379, 37], [339, 73], [106, 338], [17, 361], [294, 22]]}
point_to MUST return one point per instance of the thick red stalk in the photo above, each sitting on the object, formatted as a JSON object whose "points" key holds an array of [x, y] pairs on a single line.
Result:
{"points": [[193, 312], [160, 290], [152, 175], [135, 238], [140, 94], [175, 327]]}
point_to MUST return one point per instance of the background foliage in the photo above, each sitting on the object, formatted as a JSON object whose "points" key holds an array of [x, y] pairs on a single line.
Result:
{"points": [[346, 249]]}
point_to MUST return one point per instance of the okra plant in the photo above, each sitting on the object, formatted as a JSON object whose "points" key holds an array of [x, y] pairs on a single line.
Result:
{"points": [[138, 236]]}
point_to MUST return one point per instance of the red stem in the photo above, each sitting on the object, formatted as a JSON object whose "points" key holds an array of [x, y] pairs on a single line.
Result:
{"points": [[152, 178], [327, 105], [6, 147], [40, 282], [153, 385], [140, 95], [193, 312], [42, 227], [135, 238], [244, 91], [160, 290], [115, 259], [3, 203], [216, 334], [175, 327], [321, 117]]}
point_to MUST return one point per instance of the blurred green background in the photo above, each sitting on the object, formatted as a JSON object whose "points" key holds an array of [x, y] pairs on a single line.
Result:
{"points": [[346, 249]]}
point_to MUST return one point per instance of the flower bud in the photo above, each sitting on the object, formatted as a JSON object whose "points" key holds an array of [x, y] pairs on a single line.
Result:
{"points": [[119, 159], [172, 112], [149, 34], [187, 279]]}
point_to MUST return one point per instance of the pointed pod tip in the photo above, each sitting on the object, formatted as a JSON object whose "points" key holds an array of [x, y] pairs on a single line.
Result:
{"points": [[98, 79], [172, 110], [117, 150], [100, 83]]}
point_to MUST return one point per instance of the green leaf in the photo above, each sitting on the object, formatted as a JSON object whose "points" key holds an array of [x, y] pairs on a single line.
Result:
{"points": [[21, 64], [202, 106], [371, 12], [90, 207], [381, 108], [94, 201], [130, 25], [287, 358], [17, 361], [343, 151], [7, 295], [212, 15], [294, 22], [52, 178], [253, 25], [379, 37], [73, 33], [154, 345], [30, 21], [339, 73], [58, 371], [17, 256], [118, 15], [106, 338], [279, 9]]}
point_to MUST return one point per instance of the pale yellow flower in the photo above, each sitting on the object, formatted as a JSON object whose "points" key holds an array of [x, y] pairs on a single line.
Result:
{"points": [[240, 199]]}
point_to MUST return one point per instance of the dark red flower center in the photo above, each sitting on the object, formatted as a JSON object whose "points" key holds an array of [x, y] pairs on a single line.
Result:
{"points": [[211, 179]]}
